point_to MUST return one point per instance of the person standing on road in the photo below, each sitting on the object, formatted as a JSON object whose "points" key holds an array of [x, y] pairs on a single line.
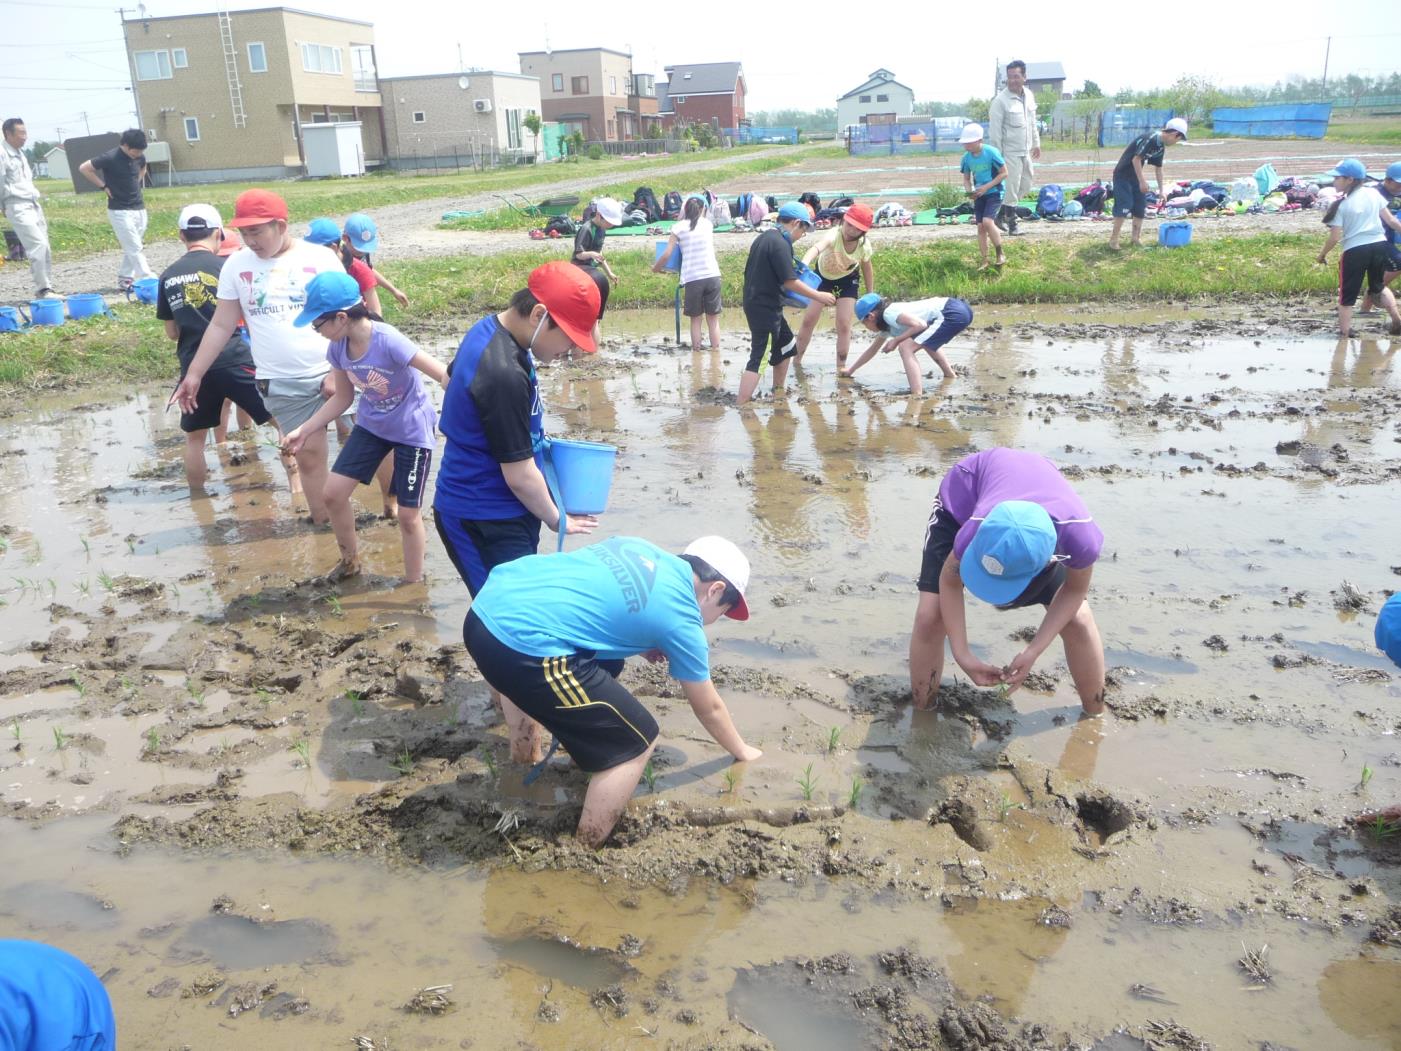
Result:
{"points": [[19, 201], [1131, 182], [1013, 131], [120, 172], [1357, 219]]}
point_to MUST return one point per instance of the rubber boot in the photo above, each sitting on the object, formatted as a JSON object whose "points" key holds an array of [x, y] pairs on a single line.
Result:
{"points": [[1001, 220], [1012, 220]]}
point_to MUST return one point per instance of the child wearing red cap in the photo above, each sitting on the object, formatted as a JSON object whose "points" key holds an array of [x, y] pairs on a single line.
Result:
{"points": [[840, 257]]}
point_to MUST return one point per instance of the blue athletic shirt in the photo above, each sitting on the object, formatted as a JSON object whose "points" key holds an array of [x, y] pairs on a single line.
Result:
{"points": [[50, 999], [617, 598], [491, 415], [984, 167]]}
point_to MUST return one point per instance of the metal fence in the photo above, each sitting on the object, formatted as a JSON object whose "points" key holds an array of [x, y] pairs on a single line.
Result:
{"points": [[749, 136], [459, 157], [636, 147], [866, 140], [1300, 120]]}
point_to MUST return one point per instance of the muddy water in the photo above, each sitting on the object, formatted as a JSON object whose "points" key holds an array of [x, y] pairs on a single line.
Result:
{"points": [[250, 727]]}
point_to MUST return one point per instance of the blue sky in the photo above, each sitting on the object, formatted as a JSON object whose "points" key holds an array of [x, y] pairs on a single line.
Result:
{"points": [[60, 59]]}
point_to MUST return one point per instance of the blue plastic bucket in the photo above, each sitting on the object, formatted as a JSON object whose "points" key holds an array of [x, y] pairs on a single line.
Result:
{"points": [[145, 289], [10, 320], [807, 276], [1174, 235], [673, 264], [584, 471], [86, 304], [46, 311]]}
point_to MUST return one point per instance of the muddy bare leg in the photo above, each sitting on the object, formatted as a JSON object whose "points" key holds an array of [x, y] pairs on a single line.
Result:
{"points": [[811, 316], [195, 468], [312, 470], [712, 322], [926, 651], [337, 493], [1084, 654], [608, 794], [525, 734], [412, 533]]}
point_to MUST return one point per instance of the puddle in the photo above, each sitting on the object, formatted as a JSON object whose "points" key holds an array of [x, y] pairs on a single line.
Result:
{"points": [[238, 943]]}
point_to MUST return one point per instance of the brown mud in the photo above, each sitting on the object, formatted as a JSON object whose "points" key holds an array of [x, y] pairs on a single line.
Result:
{"points": [[270, 808]]}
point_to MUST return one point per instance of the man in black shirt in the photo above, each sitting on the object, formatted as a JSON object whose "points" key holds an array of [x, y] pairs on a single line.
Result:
{"points": [[121, 171], [1131, 182], [186, 302]]}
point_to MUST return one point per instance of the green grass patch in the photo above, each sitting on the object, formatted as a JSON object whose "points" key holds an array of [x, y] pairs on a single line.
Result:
{"points": [[132, 346], [1380, 131], [78, 224]]}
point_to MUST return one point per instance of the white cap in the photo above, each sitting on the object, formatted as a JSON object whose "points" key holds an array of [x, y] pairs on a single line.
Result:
{"points": [[609, 210], [1178, 125], [727, 560], [195, 217], [971, 133]]}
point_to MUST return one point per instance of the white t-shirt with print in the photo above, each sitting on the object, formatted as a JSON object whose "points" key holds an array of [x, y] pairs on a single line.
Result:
{"points": [[270, 292], [927, 310], [1360, 217], [697, 249]]}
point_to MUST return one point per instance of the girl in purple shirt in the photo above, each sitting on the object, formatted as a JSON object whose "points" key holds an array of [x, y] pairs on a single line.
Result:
{"points": [[1007, 526], [395, 417]]}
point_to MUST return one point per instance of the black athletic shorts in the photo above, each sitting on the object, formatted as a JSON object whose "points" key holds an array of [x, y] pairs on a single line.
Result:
{"points": [[600, 278], [939, 536], [848, 287], [768, 327], [1363, 263], [577, 698], [477, 546], [233, 384]]}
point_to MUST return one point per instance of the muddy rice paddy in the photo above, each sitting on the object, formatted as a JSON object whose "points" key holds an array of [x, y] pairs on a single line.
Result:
{"points": [[275, 812]]}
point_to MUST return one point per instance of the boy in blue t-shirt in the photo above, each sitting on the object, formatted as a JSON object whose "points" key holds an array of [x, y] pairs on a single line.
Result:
{"points": [[983, 172], [551, 632]]}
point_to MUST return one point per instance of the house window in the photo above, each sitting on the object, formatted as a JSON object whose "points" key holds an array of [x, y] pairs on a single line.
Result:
{"points": [[865, 98], [192, 129], [557, 82], [513, 129], [882, 98], [419, 117], [179, 58], [257, 58], [320, 58], [579, 85], [680, 100], [612, 85], [152, 65], [362, 68]]}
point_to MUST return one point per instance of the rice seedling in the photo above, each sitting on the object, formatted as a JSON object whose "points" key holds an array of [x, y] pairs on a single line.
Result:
{"points": [[130, 546], [15, 731], [403, 762], [79, 685], [127, 684], [853, 797], [36, 554], [357, 703], [1366, 776], [4, 545], [489, 761], [1380, 829], [87, 548], [807, 782], [303, 750], [731, 782], [193, 689], [264, 695], [1254, 964], [60, 739], [335, 604], [153, 740], [105, 579], [649, 775], [834, 738], [1006, 806], [83, 587]]}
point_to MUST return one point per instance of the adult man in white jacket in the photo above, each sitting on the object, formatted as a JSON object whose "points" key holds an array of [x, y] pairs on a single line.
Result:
{"points": [[19, 201], [1012, 130]]}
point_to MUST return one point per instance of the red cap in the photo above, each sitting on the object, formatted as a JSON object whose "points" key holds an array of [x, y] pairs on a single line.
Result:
{"points": [[230, 244], [571, 297], [860, 216], [253, 207]]}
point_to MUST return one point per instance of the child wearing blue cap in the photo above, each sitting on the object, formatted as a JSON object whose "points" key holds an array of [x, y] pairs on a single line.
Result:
{"points": [[1390, 189], [768, 273], [396, 415], [1356, 219], [51, 1001], [1008, 526], [359, 240], [327, 232], [926, 324]]}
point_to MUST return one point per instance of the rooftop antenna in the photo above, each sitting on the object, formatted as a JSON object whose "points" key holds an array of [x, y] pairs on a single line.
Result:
{"points": [[460, 67], [547, 39]]}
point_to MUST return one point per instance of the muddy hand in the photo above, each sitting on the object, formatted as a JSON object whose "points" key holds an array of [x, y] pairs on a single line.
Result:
{"points": [[186, 395], [1015, 673], [292, 442], [982, 674]]}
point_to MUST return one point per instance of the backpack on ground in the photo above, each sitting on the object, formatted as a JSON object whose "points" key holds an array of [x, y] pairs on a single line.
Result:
{"points": [[1092, 197], [1050, 201], [563, 224], [671, 205], [757, 210], [645, 201], [811, 199], [841, 202], [719, 212]]}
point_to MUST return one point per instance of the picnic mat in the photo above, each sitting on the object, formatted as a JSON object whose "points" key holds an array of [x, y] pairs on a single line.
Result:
{"points": [[657, 229]]}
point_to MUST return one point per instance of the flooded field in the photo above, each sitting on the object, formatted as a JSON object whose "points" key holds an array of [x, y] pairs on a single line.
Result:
{"points": [[272, 811]]}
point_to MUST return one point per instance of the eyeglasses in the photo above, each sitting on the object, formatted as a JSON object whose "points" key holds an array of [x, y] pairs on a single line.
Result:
{"points": [[319, 322]]}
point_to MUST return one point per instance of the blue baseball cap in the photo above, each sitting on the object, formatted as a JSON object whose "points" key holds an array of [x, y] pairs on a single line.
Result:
{"points": [[323, 232], [362, 232], [866, 304], [327, 292], [1388, 633], [794, 211], [1014, 543], [1351, 168], [1393, 172]]}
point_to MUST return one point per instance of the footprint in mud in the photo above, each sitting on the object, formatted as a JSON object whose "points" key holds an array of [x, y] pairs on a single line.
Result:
{"points": [[50, 906]]}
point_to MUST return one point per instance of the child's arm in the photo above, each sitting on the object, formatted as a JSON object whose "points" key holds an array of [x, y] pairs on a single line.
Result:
{"points": [[371, 298], [172, 330], [799, 289], [334, 408], [967, 182], [1003, 174], [385, 284], [810, 256], [913, 326], [868, 274], [430, 367], [1390, 219], [866, 355], [1335, 234]]}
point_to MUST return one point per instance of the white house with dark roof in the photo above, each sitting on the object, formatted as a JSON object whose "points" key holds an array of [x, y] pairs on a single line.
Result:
{"points": [[703, 93], [881, 95]]}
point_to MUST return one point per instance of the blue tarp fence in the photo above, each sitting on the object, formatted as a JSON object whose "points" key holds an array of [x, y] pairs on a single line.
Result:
{"points": [[1308, 120], [867, 140], [1123, 124], [749, 135]]}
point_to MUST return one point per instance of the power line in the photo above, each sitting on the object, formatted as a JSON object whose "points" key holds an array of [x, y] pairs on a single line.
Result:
{"points": [[48, 4]]}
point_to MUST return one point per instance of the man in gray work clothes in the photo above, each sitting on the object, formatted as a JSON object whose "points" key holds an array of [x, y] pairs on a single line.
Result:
{"points": [[19, 200], [1012, 130]]}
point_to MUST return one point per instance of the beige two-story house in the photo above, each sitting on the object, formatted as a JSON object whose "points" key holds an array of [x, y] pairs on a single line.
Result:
{"points": [[589, 90], [230, 91]]}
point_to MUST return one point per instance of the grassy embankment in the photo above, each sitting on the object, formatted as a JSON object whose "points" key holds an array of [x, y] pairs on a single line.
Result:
{"points": [[449, 292]]}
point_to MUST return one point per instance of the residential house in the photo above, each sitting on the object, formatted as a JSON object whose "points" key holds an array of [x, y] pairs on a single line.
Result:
{"points": [[589, 90], [445, 117], [881, 96], [56, 164], [1039, 75], [704, 93], [230, 91]]}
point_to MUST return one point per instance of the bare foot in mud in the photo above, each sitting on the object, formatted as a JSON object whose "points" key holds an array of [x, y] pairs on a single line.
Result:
{"points": [[343, 570], [391, 512]]}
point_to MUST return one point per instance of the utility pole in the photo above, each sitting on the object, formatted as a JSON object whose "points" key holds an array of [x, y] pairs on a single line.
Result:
{"points": [[86, 125], [1327, 50]]}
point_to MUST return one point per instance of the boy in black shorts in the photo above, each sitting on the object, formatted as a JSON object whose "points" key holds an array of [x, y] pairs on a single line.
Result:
{"points": [[551, 633], [768, 273], [186, 303]]}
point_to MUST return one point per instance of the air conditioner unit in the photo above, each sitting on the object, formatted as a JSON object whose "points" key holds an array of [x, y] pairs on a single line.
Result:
{"points": [[482, 105]]}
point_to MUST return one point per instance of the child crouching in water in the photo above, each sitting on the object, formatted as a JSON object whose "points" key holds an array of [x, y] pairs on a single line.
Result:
{"points": [[396, 415], [926, 324]]}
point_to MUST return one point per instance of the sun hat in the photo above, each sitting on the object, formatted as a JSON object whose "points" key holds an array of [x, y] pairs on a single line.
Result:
{"points": [[255, 207], [971, 133], [327, 292], [609, 210], [1013, 544], [1350, 168], [729, 561], [795, 211], [1388, 633], [866, 304], [1178, 125], [860, 216], [571, 297], [323, 232], [1393, 171], [196, 217], [360, 228]]}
